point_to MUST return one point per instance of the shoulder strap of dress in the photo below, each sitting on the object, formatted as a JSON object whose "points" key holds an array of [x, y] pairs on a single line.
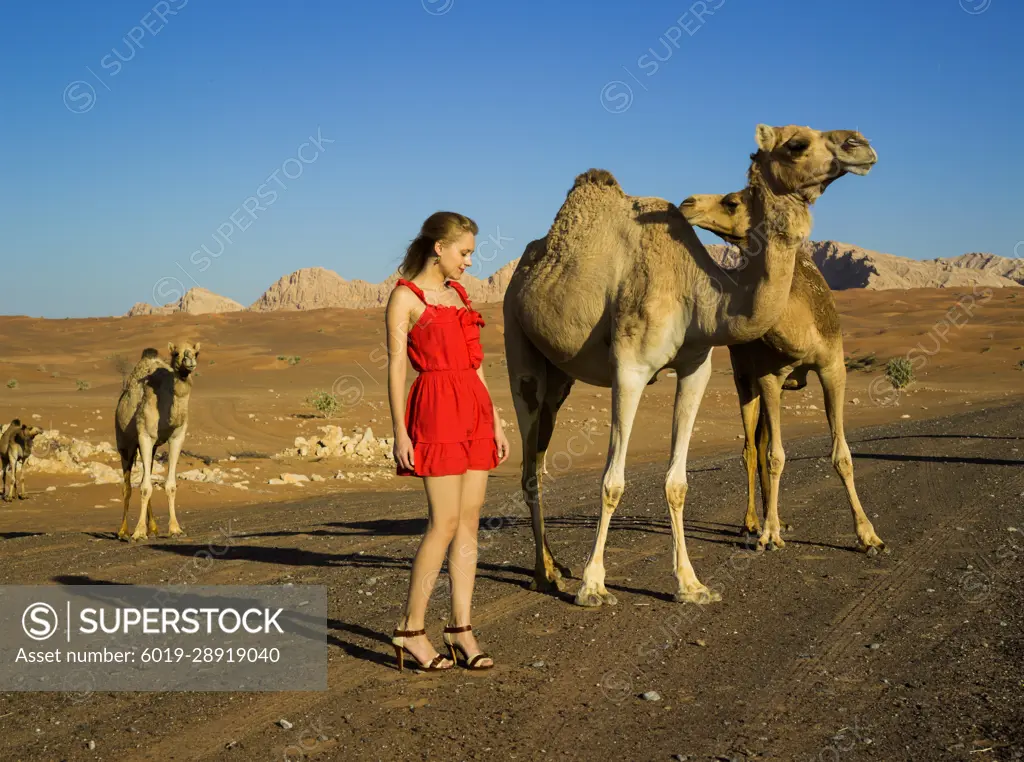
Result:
{"points": [[461, 290], [412, 287]]}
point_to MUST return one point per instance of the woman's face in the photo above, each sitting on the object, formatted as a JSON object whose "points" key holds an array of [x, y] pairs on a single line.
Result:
{"points": [[456, 255]]}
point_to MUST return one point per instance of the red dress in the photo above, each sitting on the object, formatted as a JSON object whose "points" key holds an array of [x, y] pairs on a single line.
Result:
{"points": [[449, 415]]}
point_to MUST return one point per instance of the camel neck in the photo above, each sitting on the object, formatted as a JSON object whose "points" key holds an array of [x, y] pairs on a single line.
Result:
{"points": [[780, 223]]}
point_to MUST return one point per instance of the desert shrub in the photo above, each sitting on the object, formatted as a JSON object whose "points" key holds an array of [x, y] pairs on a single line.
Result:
{"points": [[12, 384], [82, 385], [55, 374], [207, 460], [294, 360], [323, 402], [900, 372], [1020, 365], [860, 363]]}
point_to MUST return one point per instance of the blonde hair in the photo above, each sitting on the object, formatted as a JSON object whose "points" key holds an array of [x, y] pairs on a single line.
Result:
{"points": [[440, 226]]}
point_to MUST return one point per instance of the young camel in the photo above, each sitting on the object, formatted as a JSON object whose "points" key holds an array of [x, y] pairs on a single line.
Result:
{"points": [[621, 287], [153, 410], [807, 337], [15, 447]]}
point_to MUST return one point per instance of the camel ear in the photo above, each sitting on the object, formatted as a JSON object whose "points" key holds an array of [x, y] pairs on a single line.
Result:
{"points": [[171, 348], [196, 348], [767, 137]]}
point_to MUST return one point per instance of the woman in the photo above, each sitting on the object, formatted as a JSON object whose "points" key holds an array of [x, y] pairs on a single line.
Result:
{"points": [[450, 433]]}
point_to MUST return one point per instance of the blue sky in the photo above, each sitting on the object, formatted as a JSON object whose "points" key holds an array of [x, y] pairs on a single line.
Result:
{"points": [[132, 131]]}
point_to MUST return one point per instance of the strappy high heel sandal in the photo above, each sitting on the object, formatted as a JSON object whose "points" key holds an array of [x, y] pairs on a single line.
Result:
{"points": [[470, 663], [398, 642]]}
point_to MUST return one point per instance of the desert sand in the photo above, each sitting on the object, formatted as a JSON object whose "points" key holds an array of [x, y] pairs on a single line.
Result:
{"points": [[258, 368]]}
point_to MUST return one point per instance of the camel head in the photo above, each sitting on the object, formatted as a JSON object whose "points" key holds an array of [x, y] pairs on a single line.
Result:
{"points": [[853, 151], [803, 161], [727, 216], [184, 357], [28, 434]]}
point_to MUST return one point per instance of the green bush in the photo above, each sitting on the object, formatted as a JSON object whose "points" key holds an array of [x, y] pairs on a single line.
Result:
{"points": [[324, 403], [12, 384], [82, 385], [900, 372]]}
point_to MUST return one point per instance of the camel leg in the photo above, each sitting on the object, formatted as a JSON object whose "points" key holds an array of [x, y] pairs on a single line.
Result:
{"points": [[750, 405], [127, 461], [19, 478], [146, 451], [833, 383], [761, 435], [174, 445], [9, 480], [528, 378], [690, 388], [627, 387], [771, 406]]}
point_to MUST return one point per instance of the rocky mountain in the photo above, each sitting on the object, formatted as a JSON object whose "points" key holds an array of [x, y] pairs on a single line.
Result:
{"points": [[197, 301], [315, 287], [843, 265]]}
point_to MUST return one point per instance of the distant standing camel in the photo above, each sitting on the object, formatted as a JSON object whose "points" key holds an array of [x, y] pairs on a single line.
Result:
{"points": [[152, 410], [15, 447], [807, 337], [621, 287]]}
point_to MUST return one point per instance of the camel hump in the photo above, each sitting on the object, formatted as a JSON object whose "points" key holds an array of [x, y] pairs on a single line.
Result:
{"points": [[601, 177]]}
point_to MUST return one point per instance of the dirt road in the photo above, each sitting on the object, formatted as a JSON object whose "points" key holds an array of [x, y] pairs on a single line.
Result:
{"points": [[815, 652]]}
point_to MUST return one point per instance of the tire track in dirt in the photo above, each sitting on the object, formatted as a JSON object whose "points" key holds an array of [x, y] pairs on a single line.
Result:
{"points": [[242, 723], [342, 678]]}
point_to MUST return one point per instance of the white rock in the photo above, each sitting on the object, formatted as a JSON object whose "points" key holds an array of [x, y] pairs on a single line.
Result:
{"points": [[318, 478], [285, 724], [51, 489], [294, 478], [276, 482], [300, 442], [101, 473]]}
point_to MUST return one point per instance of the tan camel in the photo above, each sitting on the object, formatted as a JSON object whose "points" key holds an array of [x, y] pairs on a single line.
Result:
{"points": [[153, 410], [807, 337], [15, 447], [621, 287]]}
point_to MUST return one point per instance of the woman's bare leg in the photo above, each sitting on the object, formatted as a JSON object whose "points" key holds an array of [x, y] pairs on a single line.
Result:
{"points": [[462, 560], [444, 495]]}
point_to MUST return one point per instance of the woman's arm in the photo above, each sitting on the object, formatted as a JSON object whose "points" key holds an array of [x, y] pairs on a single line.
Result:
{"points": [[396, 321], [497, 417], [499, 433]]}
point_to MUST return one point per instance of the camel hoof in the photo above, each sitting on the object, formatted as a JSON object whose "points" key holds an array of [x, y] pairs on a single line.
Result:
{"points": [[588, 599], [701, 596], [544, 585], [874, 550], [750, 532], [123, 536], [179, 533]]}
